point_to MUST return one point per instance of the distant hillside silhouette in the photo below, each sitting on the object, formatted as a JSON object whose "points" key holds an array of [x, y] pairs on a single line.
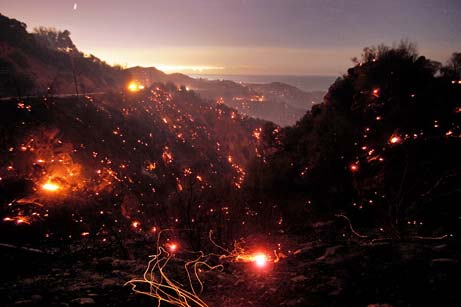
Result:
{"points": [[278, 102], [46, 61]]}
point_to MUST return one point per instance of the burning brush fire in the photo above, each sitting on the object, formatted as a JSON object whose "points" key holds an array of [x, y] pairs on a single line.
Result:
{"points": [[135, 86], [59, 172], [51, 187], [47, 163]]}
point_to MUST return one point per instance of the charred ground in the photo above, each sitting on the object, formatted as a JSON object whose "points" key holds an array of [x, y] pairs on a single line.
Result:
{"points": [[359, 201]]}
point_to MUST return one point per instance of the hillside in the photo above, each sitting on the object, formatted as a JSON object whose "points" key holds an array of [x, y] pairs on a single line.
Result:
{"points": [[382, 149], [47, 62], [277, 102], [160, 149], [288, 94], [162, 155], [149, 189]]}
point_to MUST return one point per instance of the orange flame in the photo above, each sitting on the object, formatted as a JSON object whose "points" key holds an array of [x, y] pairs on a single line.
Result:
{"points": [[51, 187]]}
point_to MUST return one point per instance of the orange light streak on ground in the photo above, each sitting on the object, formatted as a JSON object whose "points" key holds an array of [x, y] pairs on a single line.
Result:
{"points": [[259, 259], [164, 289]]}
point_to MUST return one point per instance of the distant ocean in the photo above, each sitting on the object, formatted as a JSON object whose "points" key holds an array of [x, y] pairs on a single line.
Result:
{"points": [[305, 83]]}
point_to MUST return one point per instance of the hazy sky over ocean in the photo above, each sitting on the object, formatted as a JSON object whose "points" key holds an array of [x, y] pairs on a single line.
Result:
{"points": [[245, 36]]}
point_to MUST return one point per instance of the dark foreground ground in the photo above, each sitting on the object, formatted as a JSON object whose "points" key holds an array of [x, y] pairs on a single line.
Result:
{"points": [[345, 273]]}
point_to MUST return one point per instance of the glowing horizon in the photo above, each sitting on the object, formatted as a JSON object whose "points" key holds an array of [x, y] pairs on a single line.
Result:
{"points": [[258, 37], [219, 60], [178, 68]]}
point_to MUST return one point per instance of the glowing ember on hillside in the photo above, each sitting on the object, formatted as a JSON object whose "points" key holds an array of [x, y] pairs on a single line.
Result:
{"points": [[18, 220], [394, 139], [260, 260], [51, 187], [135, 86], [257, 134], [172, 247], [167, 156], [376, 92], [136, 224]]}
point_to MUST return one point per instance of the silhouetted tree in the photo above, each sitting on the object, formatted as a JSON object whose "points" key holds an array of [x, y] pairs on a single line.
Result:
{"points": [[54, 39]]}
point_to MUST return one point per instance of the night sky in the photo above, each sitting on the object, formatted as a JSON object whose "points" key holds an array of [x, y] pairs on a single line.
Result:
{"points": [[317, 37]]}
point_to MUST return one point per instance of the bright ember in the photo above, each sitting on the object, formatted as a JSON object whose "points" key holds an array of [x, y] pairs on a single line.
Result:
{"points": [[51, 187]]}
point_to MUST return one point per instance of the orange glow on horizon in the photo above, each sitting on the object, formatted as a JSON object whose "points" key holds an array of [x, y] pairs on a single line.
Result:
{"points": [[184, 68]]}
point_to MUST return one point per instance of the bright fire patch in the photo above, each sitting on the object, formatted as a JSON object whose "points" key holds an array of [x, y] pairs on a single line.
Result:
{"points": [[260, 260], [52, 187], [172, 247], [135, 86]]}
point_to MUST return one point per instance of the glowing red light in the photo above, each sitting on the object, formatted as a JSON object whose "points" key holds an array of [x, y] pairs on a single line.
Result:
{"points": [[136, 224], [354, 167], [394, 139], [172, 247], [260, 260], [51, 187], [376, 92]]}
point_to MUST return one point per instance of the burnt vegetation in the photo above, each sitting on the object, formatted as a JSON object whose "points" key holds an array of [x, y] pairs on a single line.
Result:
{"points": [[359, 200], [383, 148]]}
